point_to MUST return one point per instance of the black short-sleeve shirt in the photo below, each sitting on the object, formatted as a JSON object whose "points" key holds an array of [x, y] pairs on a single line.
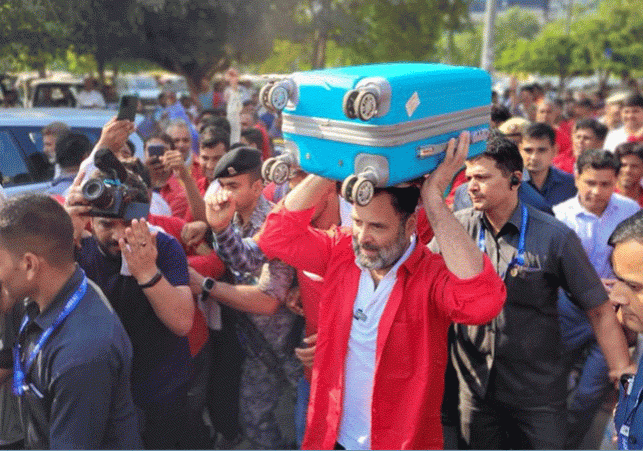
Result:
{"points": [[79, 394], [519, 354]]}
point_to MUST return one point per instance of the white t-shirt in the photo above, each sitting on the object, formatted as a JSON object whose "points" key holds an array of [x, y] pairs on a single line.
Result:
{"points": [[91, 99], [614, 138], [345, 210], [355, 424]]}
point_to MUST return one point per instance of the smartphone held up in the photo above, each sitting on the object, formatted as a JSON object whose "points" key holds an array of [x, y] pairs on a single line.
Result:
{"points": [[127, 108]]}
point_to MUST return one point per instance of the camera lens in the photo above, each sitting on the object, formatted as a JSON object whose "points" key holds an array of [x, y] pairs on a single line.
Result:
{"points": [[97, 193]]}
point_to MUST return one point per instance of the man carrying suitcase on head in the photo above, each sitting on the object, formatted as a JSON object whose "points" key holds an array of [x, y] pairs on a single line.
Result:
{"points": [[385, 309]]}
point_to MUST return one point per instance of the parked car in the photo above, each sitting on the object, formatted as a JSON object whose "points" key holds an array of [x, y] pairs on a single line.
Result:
{"points": [[23, 165], [57, 91], [7, 83], [145, 87]]}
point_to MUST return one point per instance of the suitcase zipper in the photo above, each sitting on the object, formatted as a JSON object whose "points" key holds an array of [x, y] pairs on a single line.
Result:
{"points": [[385, 135]]}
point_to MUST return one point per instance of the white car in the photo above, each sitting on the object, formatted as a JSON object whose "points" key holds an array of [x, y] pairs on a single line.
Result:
{"points": [[23, 165]]}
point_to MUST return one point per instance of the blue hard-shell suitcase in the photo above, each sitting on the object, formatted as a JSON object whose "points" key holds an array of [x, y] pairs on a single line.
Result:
{"points": [[376, 125]]}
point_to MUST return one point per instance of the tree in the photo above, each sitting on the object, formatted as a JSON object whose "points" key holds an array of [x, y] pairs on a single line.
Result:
{"points": [[28, 36], [611, 38], [407, 30], [603, 42], [514, 24], [465, 47], [315, 25], [192, 38], [550, 53]]}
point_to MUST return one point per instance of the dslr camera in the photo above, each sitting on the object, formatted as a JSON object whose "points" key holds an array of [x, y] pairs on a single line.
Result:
{"points": [[112, 197]]}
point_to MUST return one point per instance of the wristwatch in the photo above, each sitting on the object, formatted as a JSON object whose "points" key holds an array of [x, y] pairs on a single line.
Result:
{"points": [[207, 286]]}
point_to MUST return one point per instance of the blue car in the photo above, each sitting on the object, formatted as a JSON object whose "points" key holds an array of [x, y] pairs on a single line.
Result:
{"points": [[23, 165]]}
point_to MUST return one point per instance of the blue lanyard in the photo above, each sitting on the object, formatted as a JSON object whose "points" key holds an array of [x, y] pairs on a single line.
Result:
{"points": [[19, 385], [624, 431], [518, 260]]}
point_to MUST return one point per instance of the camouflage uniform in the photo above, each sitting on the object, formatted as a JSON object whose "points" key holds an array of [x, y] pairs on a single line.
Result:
{"points": [[261, 386]]}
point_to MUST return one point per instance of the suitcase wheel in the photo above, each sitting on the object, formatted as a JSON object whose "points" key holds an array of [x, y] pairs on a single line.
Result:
{"points": [[365, 105], [278, 96], [347, 188], [279, 172], [349, 103], [362, 191], [266, 167], [263, 95]]}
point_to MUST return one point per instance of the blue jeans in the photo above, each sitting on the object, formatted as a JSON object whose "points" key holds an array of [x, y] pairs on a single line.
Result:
{"points": [[301, 409], [577, 335]]}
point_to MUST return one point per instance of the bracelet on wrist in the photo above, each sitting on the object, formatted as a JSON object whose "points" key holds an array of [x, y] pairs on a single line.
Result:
{"points": [[153, 281]]}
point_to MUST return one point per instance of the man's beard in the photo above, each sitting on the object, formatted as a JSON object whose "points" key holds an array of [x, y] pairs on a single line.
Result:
{"points": [[110, 249], [385, 257]]}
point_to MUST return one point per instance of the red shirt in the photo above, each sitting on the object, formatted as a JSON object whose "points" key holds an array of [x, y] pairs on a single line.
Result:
{"points": [[174, 194], [266, 149], [202, 183], [639, 200], [564, 160], [195, 168], [411, 351]]}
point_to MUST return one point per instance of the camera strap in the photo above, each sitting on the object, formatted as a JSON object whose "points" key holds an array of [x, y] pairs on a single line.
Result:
{"points": [[257, 346]]}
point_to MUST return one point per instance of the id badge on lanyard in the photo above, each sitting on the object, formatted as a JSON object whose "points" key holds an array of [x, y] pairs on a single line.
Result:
{"points": [[517, 264], [624, 431]]}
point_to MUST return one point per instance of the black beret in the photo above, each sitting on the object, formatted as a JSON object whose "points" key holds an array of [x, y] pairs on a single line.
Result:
{"points": [[238, 161]]}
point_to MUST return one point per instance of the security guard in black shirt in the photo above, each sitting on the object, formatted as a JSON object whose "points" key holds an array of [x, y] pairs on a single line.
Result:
{"points": [[72, 358]]}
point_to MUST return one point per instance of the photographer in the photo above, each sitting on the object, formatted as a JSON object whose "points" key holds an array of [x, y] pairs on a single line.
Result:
{"points": [[144, 275]]}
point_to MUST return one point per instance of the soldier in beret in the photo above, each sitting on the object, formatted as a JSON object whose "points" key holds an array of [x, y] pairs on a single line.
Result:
{"points": [[236, 213]]}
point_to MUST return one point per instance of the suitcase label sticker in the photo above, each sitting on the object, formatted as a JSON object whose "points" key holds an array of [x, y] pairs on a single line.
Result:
{"points": [[412, 104]]}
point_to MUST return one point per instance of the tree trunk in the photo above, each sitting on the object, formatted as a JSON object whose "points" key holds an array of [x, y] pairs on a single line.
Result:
{"points": [[100, 64], [115, 69], [194, 86], [602, 81], [450, 47], [320, 36], [561, 83], [319, 49]]}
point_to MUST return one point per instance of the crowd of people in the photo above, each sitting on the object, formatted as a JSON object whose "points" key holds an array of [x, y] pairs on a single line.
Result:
{"points": [[171, 302]]}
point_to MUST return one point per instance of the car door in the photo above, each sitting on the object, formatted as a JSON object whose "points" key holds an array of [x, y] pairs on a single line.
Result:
{"points": [[23, 167]]}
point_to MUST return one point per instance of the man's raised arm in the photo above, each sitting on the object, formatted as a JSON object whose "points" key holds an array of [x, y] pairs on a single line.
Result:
{"points": [[310, 192], [287, 234], [460, 253]]}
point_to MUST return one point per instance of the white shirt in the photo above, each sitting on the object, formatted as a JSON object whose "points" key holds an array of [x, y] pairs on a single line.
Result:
{"points": [[614, 138], [345, 210], [594, 231], [355, 425], [91, 99], [233, 110], [158, 205]]}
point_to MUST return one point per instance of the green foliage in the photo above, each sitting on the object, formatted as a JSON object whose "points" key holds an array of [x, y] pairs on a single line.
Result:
{"points": [[602, 42], [288, 56], [514, 24], [465, 48], [407, 30], [192, 38]]}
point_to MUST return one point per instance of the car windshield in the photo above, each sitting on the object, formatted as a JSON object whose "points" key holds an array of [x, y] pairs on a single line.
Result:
{"points": [[145, 83]]}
